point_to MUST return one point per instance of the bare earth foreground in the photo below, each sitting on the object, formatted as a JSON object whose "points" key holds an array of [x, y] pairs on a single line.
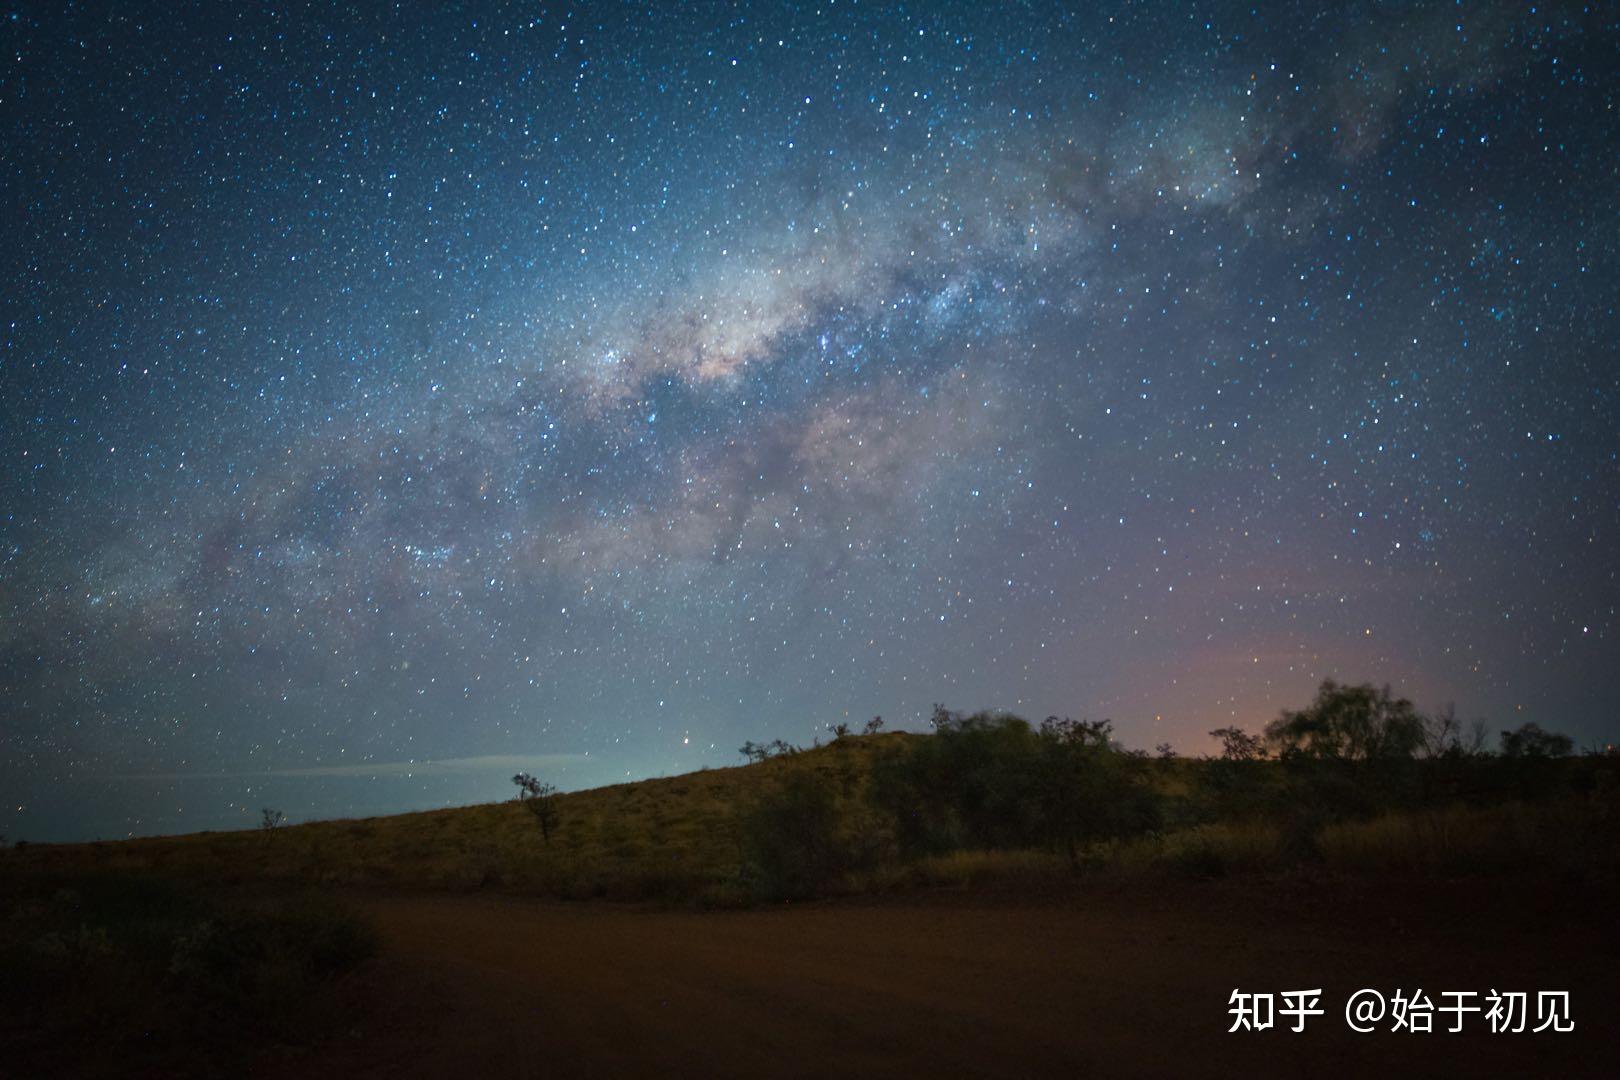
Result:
{"points": [[1107, 981]]}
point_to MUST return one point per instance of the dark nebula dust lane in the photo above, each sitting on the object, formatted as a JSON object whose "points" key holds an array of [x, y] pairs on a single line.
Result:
{"points": [[392, 400]]}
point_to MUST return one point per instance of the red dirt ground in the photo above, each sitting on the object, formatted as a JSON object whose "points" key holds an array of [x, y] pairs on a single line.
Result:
{"points": [[1104, 981]]}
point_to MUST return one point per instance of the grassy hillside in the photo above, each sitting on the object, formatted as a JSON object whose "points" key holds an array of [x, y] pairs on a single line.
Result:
{"points": [[687, 838], [183, 949], [667, 837]]}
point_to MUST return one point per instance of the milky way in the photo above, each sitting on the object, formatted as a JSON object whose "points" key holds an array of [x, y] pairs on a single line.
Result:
{"points": [[393, 399]]}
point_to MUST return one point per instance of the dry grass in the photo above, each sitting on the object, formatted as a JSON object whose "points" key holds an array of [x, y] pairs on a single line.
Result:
{"points": [[1212, 850], [969, 868], [1571, 836], [678, 839], [674, 837]]}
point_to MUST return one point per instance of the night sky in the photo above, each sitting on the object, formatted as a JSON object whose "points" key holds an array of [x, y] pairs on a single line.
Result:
{"points": [[395, 400]]}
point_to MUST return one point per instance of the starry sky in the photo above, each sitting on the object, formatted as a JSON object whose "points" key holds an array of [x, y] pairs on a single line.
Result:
{"points": [[395, 397]]}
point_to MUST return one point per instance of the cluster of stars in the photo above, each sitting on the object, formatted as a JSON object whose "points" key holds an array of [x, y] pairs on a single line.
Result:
{"points": [[386, 395]]}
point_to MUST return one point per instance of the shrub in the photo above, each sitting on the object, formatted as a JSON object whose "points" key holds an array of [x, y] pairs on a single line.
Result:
{"points": [[757, 752], [1235, 788], [1530, 741], [990, 781], [971, 784], [1089, 790], [799, 839]]}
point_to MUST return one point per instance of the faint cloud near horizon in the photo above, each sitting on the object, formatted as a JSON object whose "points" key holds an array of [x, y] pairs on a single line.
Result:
{"points": [[463, 766]]}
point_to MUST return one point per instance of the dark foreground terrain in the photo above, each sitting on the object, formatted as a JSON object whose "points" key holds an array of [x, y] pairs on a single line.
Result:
{"points": [[1004, 901], [1121, 980]]}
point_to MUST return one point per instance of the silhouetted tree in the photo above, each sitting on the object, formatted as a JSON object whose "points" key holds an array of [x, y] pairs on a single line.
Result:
{"points": [[1239, 745], [873, 726], [1530, 741], [1443, 736], [540, 799], [757, 752], [270, 819], [1349, 723]]}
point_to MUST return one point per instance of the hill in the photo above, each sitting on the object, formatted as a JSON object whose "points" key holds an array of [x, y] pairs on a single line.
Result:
{"points": [[668, 837], [985, 799]]}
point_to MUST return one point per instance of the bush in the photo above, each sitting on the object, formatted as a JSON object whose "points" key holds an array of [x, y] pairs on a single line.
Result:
{"points": [[990, 781], [757, 752], [1088, 790], [801, 839], [1530, 741], [972, 784], [1235, 788]]}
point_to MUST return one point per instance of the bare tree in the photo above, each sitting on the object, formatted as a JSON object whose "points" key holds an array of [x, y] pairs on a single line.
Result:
{"points": [[756, 752], [1443, 736], [540, 799]]}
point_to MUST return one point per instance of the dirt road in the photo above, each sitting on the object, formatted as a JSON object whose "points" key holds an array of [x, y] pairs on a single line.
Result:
{"points": [[1107, 982]]}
